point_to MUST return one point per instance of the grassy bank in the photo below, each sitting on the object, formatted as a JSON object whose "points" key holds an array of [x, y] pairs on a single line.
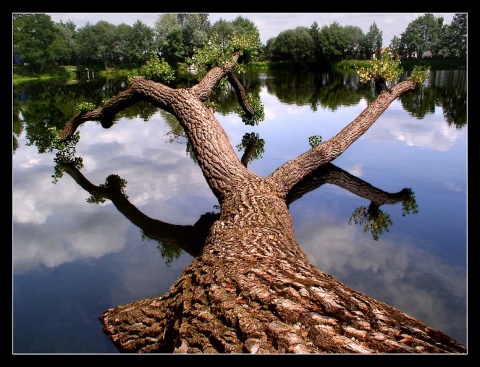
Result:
{"points": [[69, 72], [62, 73]]}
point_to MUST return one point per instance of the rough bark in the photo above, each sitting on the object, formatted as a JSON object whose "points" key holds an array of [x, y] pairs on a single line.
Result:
{"points": [[252, 289]]}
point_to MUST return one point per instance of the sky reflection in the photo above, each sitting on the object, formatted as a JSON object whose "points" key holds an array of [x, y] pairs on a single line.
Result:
{"points": [[85, 258]]}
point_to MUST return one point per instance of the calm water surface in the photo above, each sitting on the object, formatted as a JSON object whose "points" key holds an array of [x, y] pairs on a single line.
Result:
{"points": [[72, 260]]}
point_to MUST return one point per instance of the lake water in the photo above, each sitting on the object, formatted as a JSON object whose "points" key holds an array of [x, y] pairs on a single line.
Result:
{"points": [[72, 260]]}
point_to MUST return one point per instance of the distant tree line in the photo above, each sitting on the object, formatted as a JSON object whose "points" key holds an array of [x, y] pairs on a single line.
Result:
{"points": [[40, 45]]}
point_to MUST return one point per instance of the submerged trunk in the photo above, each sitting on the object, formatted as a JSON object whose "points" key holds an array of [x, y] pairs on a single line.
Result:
{"points": [[252, 289]]}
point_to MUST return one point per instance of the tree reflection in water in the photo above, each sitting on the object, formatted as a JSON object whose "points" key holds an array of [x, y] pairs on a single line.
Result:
{"points": [[173, 239]]}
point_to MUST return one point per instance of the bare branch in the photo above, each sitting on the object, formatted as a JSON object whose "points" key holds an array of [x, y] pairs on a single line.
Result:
{"points": [[242, 99]]}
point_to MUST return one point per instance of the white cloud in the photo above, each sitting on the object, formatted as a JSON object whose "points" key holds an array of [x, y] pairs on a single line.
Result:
{"points": [[67, 241], [431, 131], [387, 269], [53, 224]]}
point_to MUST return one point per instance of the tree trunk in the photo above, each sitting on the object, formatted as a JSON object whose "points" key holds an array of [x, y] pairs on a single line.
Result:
{"points": [[251, 289]]}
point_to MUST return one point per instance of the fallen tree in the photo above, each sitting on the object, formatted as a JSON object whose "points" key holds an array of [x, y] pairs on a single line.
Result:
{"points": [[251, 289]]}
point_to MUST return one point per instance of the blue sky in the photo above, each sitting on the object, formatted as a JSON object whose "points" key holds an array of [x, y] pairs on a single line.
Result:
{"points": [[271, 24]]}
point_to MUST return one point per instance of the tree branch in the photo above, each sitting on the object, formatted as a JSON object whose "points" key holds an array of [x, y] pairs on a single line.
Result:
{"points": [[331, 174], [289, 174], [204, 88], [241, 97], [141, 89]]}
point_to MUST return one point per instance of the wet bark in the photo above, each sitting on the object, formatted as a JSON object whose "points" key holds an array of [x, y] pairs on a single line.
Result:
{"points": [[252, 289]]}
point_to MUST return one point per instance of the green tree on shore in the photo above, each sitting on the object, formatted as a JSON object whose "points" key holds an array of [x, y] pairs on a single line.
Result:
{"points": [[43, 45], [33, 38]]}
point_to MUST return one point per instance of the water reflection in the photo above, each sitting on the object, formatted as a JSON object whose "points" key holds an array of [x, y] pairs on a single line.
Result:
{"points": [[52, 104], [446, 89], [173, 239], [73, 258], [371, 219]]}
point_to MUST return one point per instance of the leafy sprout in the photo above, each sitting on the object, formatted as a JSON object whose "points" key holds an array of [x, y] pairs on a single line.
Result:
{"points": [[65, 152], [314, 140], [258, 107], [372, 220], [218, 52], [157, 69], [84, 106], [253, 143], [420, 74], [386, 68], [409, 204]]}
